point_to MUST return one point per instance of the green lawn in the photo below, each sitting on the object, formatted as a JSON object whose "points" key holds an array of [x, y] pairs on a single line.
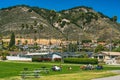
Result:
{"points": [[8, 69], [13, 69]]}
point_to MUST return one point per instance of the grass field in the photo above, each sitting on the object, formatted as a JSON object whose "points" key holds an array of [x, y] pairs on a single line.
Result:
{"points": [[11, 70]]}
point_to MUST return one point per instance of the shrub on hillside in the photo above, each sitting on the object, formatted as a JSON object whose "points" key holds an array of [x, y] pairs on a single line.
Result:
{"points": [[81, 60]]}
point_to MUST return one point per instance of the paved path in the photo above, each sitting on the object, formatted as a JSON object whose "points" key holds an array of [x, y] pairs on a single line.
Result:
{"points": [[109, 78], [112, 77]]}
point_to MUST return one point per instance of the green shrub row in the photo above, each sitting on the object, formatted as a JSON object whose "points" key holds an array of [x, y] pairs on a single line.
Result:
{"points": [[41, 59], [45, 59], [81, 60]]}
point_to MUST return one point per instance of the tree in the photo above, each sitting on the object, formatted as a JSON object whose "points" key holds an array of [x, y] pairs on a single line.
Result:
{"points": [[22, 29], [35, 38], [72, 47], [31, 29], [12, 40], [99, 48], [35, 23], [117, 49], [26, 42], [3, 54], [114, 18], [18, 42], [26, 30], [52, 16]]}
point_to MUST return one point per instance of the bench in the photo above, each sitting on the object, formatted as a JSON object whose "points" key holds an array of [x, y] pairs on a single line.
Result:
{"points": [[45, 70], [25, 74]]}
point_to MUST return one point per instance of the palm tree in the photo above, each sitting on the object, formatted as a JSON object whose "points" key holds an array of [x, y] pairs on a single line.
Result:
{"points": [[35, 38], [22, 30]]}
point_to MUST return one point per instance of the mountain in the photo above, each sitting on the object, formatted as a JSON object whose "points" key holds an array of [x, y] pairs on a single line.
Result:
{"points": [[77, 23]]}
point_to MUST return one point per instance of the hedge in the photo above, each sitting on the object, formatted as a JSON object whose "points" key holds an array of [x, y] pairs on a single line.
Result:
{"points": [[57, 59], [41, 59], [81, 60]]}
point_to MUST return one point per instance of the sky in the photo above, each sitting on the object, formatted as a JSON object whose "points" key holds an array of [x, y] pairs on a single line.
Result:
{"points": [[108, 7]]}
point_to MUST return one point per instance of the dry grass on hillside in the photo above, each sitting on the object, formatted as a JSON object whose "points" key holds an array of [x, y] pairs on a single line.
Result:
{"points": [[40, 41]]}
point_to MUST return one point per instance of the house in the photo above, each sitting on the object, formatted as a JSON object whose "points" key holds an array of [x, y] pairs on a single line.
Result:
{"points": [[27, 56], [51, 55], [108, 57], [101, 42], [55, 55]]}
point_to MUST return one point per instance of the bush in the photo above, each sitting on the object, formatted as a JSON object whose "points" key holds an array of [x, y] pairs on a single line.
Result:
{"points": [[57, 59], [46, 59], [41, 59], [81, 60], [36, 60], [3, 58]]}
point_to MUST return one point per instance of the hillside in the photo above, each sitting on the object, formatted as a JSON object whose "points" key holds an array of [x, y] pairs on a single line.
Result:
{"points": [[74, 24]]}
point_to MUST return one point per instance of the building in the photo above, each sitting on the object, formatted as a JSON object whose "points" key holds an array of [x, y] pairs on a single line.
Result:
{"points": [[18, 56], [27, 56], [108, 57]]}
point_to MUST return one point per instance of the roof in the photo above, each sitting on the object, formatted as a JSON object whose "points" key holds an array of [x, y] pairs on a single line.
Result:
{"points": [[15, 52], [70, 54], [111, 53], [34, 54]]}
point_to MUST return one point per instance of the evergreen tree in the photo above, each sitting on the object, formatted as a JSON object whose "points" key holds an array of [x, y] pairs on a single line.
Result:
{"points": [[114, 18], [12, 40]]}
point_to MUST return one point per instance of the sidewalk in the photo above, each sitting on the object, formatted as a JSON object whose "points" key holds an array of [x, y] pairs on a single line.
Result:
{"points": [[109, 78]]}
